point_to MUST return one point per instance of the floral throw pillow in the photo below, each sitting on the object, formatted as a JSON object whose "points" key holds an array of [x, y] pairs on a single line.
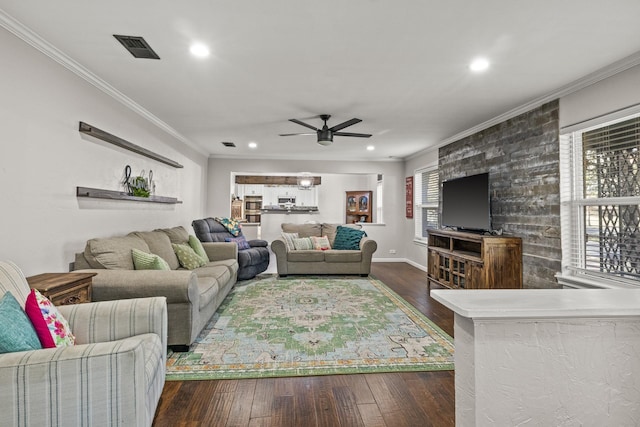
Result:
{"points": [[321, 243], [51, 327], [232, 225]]}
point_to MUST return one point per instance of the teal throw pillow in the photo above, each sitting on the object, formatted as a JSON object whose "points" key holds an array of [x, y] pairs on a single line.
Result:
{"points": [[188, 258], [197, 247], [348, 238], [145, 261], [17, 333]]}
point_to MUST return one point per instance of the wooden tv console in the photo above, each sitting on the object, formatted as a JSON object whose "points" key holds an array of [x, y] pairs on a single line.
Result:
{"points": [[458, 260]]}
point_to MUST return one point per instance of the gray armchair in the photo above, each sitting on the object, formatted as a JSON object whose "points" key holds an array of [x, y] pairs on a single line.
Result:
{"points": [[251, 262], [114, 375]]}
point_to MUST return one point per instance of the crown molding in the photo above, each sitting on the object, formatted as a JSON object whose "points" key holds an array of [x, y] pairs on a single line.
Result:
{"points": [[34, 40], [588, 80]]}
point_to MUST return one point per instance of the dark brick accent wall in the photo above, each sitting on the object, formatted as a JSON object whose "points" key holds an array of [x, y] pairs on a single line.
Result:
{"points": [[522, 158]]}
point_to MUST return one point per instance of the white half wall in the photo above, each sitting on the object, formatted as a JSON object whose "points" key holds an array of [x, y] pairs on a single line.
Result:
{"points": [[44, 158], [337, 177]]}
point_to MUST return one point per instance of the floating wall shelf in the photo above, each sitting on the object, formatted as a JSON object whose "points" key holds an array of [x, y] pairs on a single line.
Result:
{"points": [[97, 193], [112, 139]]}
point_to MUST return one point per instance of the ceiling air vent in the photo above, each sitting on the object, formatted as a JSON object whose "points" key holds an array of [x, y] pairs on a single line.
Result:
{"points": [[138, 47], [228, 144]]}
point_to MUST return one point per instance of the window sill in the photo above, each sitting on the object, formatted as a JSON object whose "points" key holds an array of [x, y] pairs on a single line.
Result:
{"points": [[576, 282]]}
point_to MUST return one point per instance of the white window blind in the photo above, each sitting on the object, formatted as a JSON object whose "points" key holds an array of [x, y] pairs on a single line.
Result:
{"points": [[426, 195], [600, 201]]}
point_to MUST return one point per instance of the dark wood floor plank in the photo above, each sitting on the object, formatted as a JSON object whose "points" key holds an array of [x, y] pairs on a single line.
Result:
{"points": [[346, 407], [283, 413], [394, 399], [371, 416], [240, 413], [385, 400], [260, 422], [326, 411], [263, 398], [304, 401], [359, 387]]}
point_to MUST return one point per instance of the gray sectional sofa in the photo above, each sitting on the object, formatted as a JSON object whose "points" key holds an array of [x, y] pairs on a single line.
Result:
{"points": [[331, 261], [192, 295]]}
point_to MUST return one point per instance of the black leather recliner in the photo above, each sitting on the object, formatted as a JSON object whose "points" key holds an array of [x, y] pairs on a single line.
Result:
{"points": [[252, 261]]}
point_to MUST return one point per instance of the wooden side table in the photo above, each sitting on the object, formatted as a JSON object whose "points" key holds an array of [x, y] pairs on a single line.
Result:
{"points": [[63, 288]]}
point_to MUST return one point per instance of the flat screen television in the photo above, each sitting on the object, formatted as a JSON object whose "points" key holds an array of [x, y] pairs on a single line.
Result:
{"points": [[466, 204]]}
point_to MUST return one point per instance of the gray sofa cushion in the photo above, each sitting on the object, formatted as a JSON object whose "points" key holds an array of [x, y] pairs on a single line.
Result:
{"points": [[305, 256], [159, 244], [177, 235], [342, 256], [303, 230], [113, 253]]}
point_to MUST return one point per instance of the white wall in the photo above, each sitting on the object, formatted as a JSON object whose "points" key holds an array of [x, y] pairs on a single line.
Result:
{"points": [[416, 253], [44, 158], [337, 177], [606, 96]]}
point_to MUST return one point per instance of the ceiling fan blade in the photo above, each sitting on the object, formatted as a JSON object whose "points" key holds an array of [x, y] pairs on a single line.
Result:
{"points": [[303, 124], [344, 125], [293, 134], [359, 135]]}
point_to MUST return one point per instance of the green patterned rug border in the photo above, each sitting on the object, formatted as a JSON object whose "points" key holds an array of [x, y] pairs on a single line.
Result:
{"points": [[319, 367]]}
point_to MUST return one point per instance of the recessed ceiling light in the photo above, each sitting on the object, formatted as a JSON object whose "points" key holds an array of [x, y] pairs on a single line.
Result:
{"points": [[199, 50], [479, 64], [370, 148], [253, 145]]}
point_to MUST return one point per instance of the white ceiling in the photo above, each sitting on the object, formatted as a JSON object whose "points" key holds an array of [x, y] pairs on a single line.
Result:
{"points": [[401, 67]]}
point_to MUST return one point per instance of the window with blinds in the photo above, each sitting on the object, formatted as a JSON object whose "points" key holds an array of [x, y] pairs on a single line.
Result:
{"points": [[426, 195], [601, 201]]}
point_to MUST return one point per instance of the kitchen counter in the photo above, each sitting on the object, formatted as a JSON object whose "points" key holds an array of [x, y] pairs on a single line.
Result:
{"points": [[292, 209]]}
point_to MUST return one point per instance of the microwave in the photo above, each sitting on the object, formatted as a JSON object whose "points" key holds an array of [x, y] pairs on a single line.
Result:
{"points": [[286, 200]]}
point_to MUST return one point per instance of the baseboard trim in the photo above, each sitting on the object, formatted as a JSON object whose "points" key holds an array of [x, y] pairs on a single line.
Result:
{"points": [[408, 261]]}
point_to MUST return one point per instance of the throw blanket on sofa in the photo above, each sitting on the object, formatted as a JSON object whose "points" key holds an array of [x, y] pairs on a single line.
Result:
{"points": [[232, 225]]}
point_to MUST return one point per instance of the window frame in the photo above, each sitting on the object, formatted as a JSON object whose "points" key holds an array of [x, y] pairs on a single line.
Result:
{"points": [[574, 202], [421, 200]]}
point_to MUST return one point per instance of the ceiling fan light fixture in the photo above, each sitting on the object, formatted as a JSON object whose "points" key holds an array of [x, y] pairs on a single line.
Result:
{"points": [[305, 181], [325, 136]]}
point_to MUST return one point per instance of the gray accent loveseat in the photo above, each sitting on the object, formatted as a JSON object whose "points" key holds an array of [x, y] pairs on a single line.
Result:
{"points": [[192, 295], [330, 261]]}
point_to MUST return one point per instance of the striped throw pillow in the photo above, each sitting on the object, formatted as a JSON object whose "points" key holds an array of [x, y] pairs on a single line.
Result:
{"points": [[145, 261], [288, 240], [303, 244]]}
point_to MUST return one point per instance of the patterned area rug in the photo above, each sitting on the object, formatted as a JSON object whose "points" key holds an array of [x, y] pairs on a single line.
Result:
{"points": [[297, 326]]}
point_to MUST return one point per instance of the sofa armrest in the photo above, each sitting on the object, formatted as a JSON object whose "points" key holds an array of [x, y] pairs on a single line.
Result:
{"points": [[90, 384], [114, 320], [258, 243], [368, 246], [177, 286], [217, 251], [280, 250]]}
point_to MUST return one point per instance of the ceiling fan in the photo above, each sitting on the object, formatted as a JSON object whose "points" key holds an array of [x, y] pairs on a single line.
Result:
{"points": [[326, 134]]}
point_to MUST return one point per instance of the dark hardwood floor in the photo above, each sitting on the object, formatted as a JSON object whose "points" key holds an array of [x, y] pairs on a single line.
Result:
{"points": [[392, 400]]}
